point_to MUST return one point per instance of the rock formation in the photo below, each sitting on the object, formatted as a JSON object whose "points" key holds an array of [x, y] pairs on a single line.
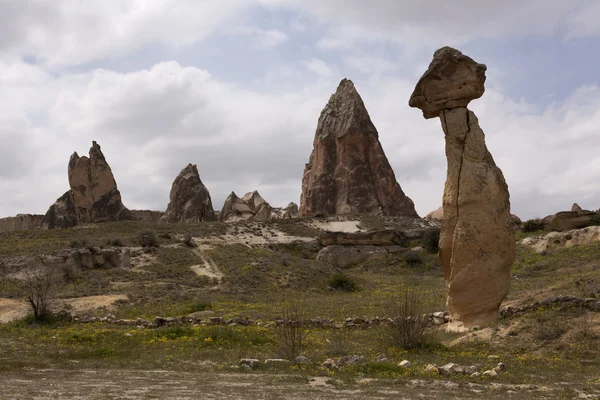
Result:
{"points": [[189, 199], [93, 195], [566, 220], [348, 172], [253, 207], [436, 215], [477, 246], [235, 209], [576, 207], [20, 222], [62, 214]]}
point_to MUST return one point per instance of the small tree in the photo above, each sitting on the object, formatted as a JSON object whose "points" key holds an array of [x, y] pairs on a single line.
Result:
{"points": [[40, 285], [291, 334]]}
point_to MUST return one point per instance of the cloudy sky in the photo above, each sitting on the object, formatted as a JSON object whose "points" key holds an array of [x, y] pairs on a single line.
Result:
{"points": [[236, 87]]}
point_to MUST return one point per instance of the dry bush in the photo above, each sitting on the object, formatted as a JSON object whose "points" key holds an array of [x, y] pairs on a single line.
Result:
{"points": [[40, 283], [338, 343], [548, 326], [409, 328], [291, 335]]}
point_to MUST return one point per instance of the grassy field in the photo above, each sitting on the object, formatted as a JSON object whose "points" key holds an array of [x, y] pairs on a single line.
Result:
{"points": [[544, 347]]}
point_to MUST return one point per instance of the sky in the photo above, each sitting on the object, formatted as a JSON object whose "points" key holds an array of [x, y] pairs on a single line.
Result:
{"points": [[236, 87]]}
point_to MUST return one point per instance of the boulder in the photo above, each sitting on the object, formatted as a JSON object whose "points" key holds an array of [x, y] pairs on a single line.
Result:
{"points": [[576, 207], [189, 200], [348, 172], [373, 238], [558, 240], [566, 220], [477, 245], [452, 80]]}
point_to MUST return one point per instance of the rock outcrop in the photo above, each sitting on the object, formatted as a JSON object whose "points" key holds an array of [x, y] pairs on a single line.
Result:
{"points": [[93, 196], [373, 238], [20, 222], [189, 200], [94, 188], [558, 240], [436, 215], [477, 245], [348, 172], [566, 220], [251, 207], [576, 207], [62, 214]]}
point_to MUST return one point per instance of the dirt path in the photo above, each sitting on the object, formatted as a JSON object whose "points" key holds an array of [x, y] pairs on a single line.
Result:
{"points": [[127, 384]]}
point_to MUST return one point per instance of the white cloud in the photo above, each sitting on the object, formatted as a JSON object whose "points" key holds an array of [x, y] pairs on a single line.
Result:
{"points": [[264, 38], [319, 67]]}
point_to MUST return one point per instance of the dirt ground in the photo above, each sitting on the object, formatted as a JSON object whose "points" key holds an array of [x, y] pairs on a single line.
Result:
{"points": [[127, 384]]}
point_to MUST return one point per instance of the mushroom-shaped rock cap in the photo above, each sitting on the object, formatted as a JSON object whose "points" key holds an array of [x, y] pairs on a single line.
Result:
{"points": [[452, 80]]}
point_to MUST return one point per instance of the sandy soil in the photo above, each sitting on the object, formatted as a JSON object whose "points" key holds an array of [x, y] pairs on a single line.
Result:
{"points": [[11, 310], [127, 384], [337, 226]]}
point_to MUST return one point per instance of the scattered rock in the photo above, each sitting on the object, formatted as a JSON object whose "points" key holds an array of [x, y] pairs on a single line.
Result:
{"points": [[189, 200], [348, 172], [431, 368], [329, 364], [490, 373], [501, 367], [477, 246], [475, 375], [405, 364], [351, 360], [301, 360], [250, 362]]}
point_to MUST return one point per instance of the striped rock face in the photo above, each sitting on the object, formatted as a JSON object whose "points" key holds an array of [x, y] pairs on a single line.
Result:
{"points": [[348, 172]]}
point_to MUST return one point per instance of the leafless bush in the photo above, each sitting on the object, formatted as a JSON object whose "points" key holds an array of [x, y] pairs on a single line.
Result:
{"points": [[291, 334], [338, 343], [40, 284], [409, 329], [548, 327]]}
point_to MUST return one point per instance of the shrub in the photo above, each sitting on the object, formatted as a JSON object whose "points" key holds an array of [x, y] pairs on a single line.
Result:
{"points": [[199, 306], [412, 257], [39, 284], [78, 243], [548, 327], [115, 242], [165, 235], [595, 220], [533, 225], [147, 239], [431, 240], [188, 240], [341, 281], [409, 328], [291, 335]]}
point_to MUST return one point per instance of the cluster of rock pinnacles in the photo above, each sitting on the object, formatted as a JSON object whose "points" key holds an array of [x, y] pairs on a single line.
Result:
{"points": [[349, 174]]}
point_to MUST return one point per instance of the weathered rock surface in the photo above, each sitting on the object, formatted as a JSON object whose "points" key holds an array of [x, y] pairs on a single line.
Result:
{"points": [[558, 240], [348, 172], [147, 215], [567, 220], [20, 222], [62, 214], [477, 245], [94, 188], [253, 207], [576, 207], [189, 200], [343, 256], [374, 238], [452, 80], [436, 215], [93, 196]]}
